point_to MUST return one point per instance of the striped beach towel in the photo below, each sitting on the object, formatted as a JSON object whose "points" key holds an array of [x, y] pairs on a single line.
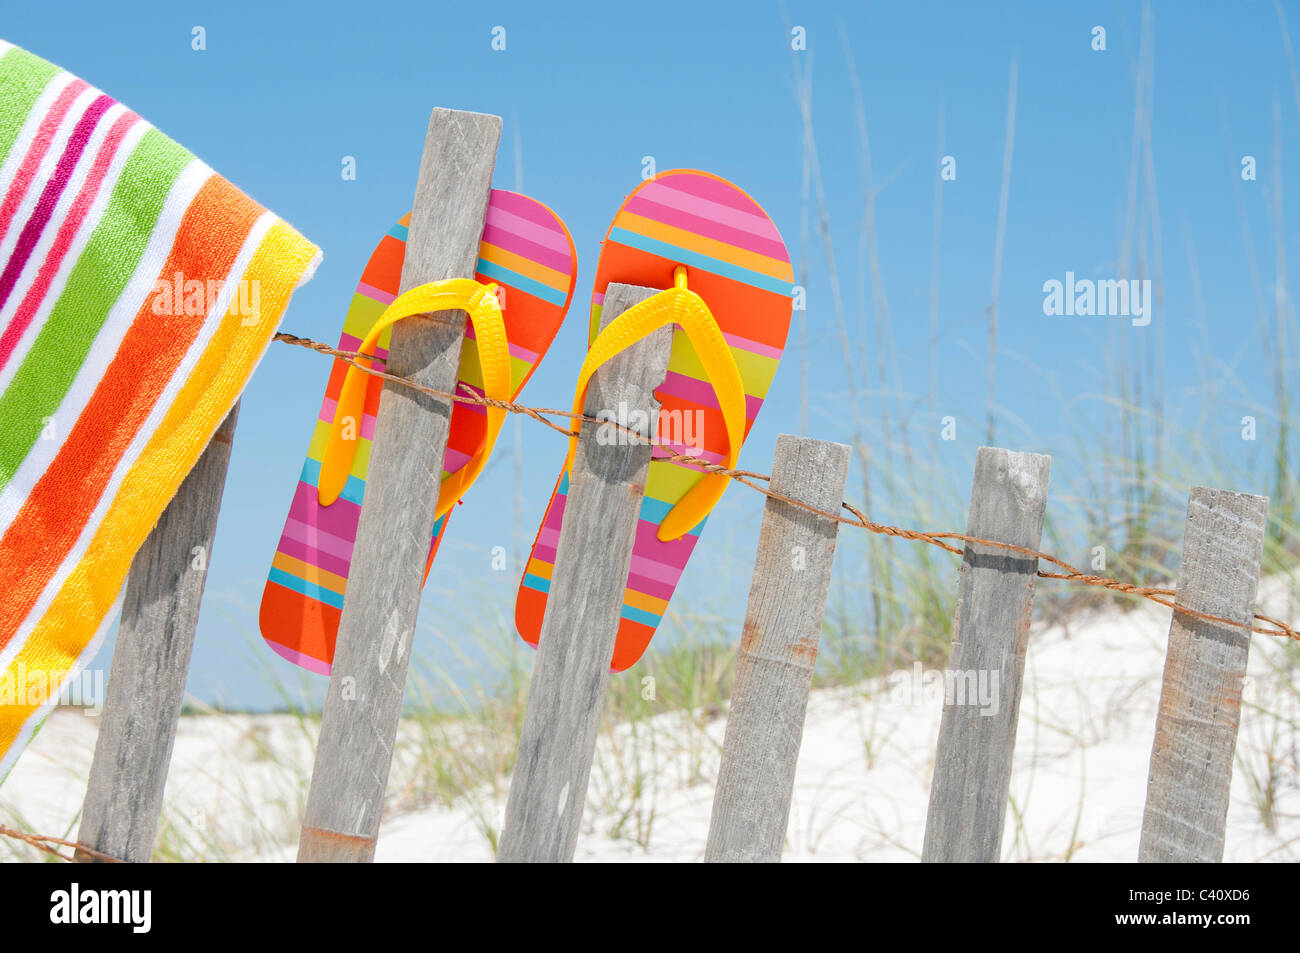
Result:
{"points": [[137, 293]]}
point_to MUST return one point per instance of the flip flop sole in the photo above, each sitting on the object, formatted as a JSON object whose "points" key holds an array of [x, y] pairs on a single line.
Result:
{"points": [[525, 249], [739, 265]]}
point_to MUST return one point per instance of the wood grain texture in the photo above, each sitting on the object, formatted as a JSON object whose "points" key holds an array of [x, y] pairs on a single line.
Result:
{"points": [[364, 701], [1200, 698], [995, 597], [146, 684], [549, 788], [778, 650]]}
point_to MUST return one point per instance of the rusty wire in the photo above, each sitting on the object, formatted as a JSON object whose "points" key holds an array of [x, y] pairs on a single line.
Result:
{"points": [[45, 842], [752, 479]]}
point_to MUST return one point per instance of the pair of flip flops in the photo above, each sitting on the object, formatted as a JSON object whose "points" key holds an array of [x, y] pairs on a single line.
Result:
{"points": [[726, 280]]}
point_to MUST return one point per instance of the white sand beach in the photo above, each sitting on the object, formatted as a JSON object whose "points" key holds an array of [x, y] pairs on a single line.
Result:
{"points": [[238, 782]]}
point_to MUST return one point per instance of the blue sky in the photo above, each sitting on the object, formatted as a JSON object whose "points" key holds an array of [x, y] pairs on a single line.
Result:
{"points": [[284, 91]]}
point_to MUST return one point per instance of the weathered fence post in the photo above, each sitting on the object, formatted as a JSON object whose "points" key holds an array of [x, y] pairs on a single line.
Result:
{"points": [[778, 650], [1200, 697], [995, 597], [364, 702], [160, 610], [549, 789]]}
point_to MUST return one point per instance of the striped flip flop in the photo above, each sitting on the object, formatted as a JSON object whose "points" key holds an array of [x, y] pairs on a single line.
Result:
{"points": [[721, 262], [526, 251]]}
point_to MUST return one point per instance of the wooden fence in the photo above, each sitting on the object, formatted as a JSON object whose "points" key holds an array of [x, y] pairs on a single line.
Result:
{"points": [[1200, 703]]}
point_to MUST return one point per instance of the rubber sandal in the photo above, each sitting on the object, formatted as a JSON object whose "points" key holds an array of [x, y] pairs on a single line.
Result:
{"points": [[727, 279], [527, 252]]}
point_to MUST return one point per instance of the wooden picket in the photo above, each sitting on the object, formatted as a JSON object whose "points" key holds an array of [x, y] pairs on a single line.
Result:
{"points": [[146, 685], [995, 596], [549, 789], [1200, 697], [364, 702], [774, 670]]}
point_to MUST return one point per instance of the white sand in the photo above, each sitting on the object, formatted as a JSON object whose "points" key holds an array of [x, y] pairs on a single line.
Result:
{"points": [[238, 782]]}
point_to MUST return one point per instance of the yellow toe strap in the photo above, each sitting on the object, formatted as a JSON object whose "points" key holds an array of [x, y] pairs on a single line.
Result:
{"points": [[681, 306], [477, 300]]}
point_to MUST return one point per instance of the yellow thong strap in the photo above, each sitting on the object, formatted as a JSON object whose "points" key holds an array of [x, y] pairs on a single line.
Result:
{"points": [[676, 305], [477, 300]]}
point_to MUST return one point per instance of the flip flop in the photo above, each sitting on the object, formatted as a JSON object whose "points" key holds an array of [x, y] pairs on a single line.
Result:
{"points": [[727, 284], [527, 252]]}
